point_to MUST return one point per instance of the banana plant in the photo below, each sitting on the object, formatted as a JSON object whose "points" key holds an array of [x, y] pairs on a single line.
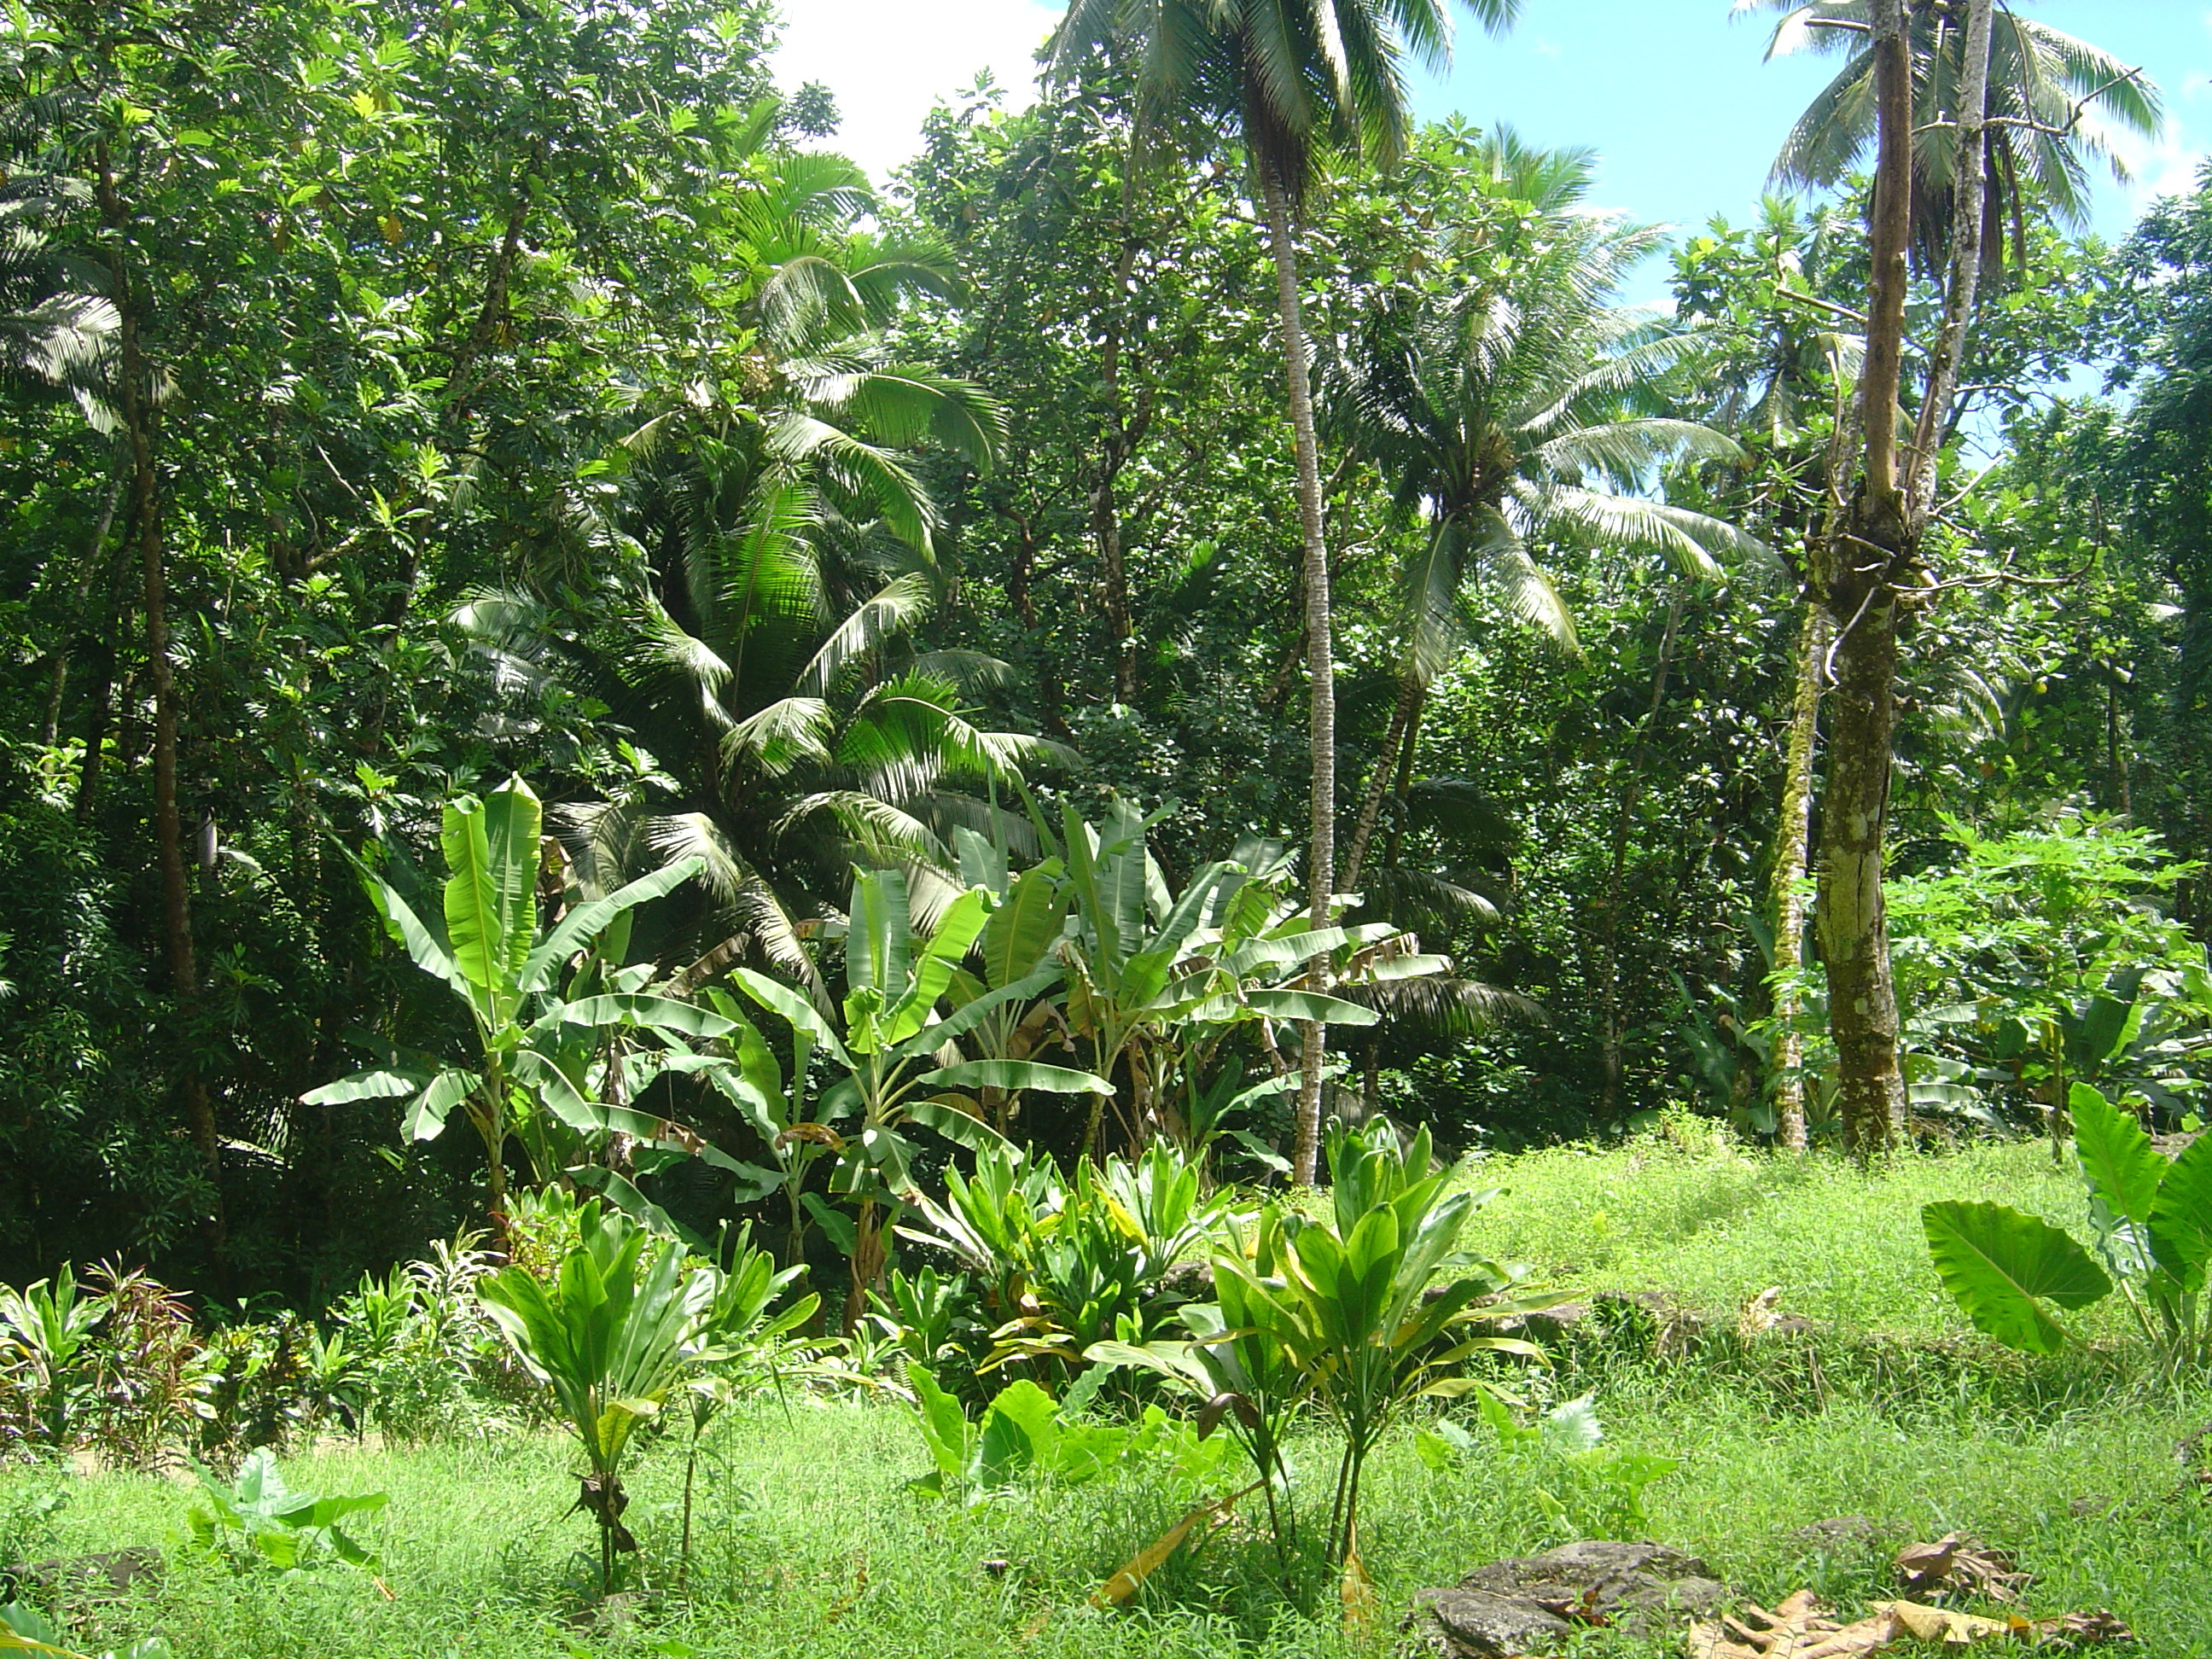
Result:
{"points": [[626, 1318], [550, 1041], [1150, 971], [1020, 944], [894, 1052]]}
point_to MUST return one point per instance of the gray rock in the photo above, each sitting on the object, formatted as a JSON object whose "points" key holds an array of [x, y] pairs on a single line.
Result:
{"points": [[1528, 1604], [106, 1576]]}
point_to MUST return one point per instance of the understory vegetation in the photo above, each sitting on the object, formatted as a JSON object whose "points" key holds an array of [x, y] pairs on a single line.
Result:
{"points": [[810, 1533], [1215, 862]]}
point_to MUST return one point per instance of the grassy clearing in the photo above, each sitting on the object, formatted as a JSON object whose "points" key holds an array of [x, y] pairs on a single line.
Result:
{"points": [[809, 1542], [1711, 1225]]}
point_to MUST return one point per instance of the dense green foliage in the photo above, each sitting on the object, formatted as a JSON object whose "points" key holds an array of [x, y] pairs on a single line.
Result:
{"points": [[902, 756]]}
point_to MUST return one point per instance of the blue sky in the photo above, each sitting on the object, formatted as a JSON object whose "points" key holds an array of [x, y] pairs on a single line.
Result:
{"points": [[1673, 93]]}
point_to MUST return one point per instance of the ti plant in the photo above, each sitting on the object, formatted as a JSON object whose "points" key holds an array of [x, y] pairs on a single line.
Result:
{"points": [[45, 1339], [893, 1053], [1065, 1265], [624, 1322], [549, 1040], [736, 1323], [1374, 1298], [2152, 1217], [1361, 1311]]}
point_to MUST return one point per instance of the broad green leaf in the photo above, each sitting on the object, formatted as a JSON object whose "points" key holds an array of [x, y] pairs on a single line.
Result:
{"points": [[2001, 1266], [944, 1426], [428, 1111], [1023, 927], [1016, 1074], [878, 938], [587, 921], [491, 885], [429, 952], [1019, 1432], [365, 1085], [804, 1016], [2117, 1156], [1310, 1005], [955, 1125], [656, 1013], [2181, 1214]]}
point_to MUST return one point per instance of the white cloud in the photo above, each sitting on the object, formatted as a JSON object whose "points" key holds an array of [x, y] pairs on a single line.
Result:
{"points": [[2166, 164], [888, 61]]}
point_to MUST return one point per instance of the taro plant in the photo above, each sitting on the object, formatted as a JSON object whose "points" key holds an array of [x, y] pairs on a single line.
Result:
{"points": [[1025, 1436], [257, 1516], [2152, 1218], [557, 1048], [616, 1332]]}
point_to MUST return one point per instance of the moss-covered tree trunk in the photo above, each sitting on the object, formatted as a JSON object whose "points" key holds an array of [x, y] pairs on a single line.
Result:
{"points": [[1792, 851]]}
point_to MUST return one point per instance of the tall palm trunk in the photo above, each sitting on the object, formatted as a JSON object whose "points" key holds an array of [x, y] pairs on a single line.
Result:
{"points": [[135, 393], [1873, 575], [1321, 872], [1864, 560], [1793, 841]]}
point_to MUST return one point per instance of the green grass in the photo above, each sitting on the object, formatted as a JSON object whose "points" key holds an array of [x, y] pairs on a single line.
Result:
{"points": [[810, 1543], [1710, 1225]]}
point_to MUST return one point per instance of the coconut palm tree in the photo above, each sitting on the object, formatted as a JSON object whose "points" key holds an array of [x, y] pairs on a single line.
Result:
{"points": [[1513, 411], [1944, 91], [2041, 84], [774, 546], [1292, 79]]}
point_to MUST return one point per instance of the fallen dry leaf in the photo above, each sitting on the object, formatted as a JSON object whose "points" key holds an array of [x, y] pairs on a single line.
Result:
{"points": [[1761, 1313], [1798, 1629], [1357, 1591], [1956, 1562], [1790, 1631]]}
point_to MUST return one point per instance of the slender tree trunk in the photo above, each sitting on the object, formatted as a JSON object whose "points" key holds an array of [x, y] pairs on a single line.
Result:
{"points": [[135, 389], [1793, 842], [1321, 872], [1410, 692], [1616, 1033], [95, 560], [1865, 558], [1963, 280], [1119, 437]]}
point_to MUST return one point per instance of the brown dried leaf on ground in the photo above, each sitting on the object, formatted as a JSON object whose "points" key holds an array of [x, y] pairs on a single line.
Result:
{"points": [[1798, 1629], [1956, 1562]]}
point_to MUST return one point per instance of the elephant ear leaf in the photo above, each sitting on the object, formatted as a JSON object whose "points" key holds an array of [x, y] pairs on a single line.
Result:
{"points": [[2181, 1214], [2001, 1265], [2116, 1156]]}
